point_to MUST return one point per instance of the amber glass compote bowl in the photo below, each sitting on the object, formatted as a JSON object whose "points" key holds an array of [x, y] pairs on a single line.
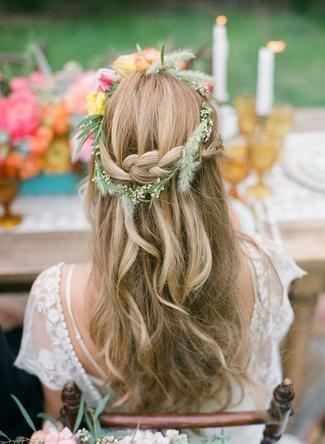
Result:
{"points": [[263, 150], [234, 165], [8, 191]]}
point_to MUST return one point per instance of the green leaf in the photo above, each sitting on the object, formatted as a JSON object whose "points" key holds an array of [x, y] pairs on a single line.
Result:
{"points": [[101, 406], [139, 49], [20, 439], [23, 411], [80, 414], [162, 55], [48, 418], [89, 423], [4, 435]]}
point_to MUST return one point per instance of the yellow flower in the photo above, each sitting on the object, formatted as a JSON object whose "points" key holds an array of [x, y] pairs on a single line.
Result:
{"points": [[95, 103], [125, 64], [138, 61]]}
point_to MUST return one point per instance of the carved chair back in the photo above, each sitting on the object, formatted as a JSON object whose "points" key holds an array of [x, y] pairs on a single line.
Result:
{"points": [[275, 418]]}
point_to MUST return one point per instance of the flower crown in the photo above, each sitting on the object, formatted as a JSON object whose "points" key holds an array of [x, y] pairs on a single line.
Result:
{"points": [[150, 61]]}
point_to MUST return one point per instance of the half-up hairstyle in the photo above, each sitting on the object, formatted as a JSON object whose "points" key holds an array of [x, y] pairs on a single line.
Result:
{"points": [[166, 318]]}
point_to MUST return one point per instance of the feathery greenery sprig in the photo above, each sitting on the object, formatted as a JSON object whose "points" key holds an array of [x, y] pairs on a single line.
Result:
{"points": [[170, 60]]}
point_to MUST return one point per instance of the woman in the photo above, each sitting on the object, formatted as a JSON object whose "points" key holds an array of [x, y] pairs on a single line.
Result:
{"points": [[176, 311]]}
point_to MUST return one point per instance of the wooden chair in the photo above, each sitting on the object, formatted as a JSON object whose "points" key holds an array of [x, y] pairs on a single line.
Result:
{"points": [[275, 419]]}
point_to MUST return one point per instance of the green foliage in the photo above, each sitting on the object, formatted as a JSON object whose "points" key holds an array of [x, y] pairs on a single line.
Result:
{"points": [[89, 38], [4, 435], [49, 418], [80, 415], [23, 411]]}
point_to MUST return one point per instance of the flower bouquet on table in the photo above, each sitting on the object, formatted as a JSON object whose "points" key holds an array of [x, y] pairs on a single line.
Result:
{"points": [[37, 116]]}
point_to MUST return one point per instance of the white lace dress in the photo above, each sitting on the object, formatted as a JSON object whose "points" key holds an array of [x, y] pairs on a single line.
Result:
{"points": [[47, 352]]}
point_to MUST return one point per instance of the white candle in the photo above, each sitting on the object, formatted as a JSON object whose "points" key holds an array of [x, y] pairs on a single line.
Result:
{"points": [[265, 77], [265, 82], [220, 59]]}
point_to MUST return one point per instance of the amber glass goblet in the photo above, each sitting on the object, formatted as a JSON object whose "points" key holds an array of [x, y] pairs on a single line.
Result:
{"points": [[8, 191], [263, 150], [279, 122], [234, 165], [245, 107]]}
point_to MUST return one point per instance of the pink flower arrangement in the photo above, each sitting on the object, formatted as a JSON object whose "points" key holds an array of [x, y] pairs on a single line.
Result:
{"points": [[21, 115], [18, 84]]}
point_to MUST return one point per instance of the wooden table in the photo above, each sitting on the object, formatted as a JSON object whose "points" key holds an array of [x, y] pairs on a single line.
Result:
{"points": [[23, 256]]}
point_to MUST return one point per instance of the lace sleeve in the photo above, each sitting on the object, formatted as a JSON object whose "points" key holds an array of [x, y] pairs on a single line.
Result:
{"points": [[273, 314], [41, 347]]}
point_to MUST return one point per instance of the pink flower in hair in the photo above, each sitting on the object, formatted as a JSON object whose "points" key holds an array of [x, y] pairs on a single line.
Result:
{"points": [[105, 77], [53, 436]]}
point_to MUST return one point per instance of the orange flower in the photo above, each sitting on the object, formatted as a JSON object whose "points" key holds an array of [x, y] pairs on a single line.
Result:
{"points": [[61, 125], [38, 145], [56, 116], [141, 63], [151, 54], [40, 142], [45, 133], [31, 167]]}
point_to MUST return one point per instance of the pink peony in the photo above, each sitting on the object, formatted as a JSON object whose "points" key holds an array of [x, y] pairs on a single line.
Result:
{"points": [[53, 436], [75, 97], [105, 78], [21, 115], [18, 84]]}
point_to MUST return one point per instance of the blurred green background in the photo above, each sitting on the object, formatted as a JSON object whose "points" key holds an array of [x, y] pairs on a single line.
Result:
{"points": [[93, 32]]}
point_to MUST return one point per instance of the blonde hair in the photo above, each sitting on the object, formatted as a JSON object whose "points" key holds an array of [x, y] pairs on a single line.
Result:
{"points": [[165, 318]]}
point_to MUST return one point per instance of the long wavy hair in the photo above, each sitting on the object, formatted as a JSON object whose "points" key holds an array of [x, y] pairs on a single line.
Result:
{"points": [[165, 317]]}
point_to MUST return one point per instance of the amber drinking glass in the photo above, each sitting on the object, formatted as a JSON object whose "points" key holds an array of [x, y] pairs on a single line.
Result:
{"points": [[234, 165], [279, 123], [263, 151], [245, 107]]}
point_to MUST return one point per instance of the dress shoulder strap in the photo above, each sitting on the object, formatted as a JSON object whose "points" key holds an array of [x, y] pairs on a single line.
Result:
{"points": [[75, 327]]}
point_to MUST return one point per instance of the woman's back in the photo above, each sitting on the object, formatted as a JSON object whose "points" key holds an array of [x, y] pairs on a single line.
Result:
{"points": [[177, 312], [64, 350]]}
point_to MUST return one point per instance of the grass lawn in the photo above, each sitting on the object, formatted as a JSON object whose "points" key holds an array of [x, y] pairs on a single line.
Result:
{"points": [[300, 71]]}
